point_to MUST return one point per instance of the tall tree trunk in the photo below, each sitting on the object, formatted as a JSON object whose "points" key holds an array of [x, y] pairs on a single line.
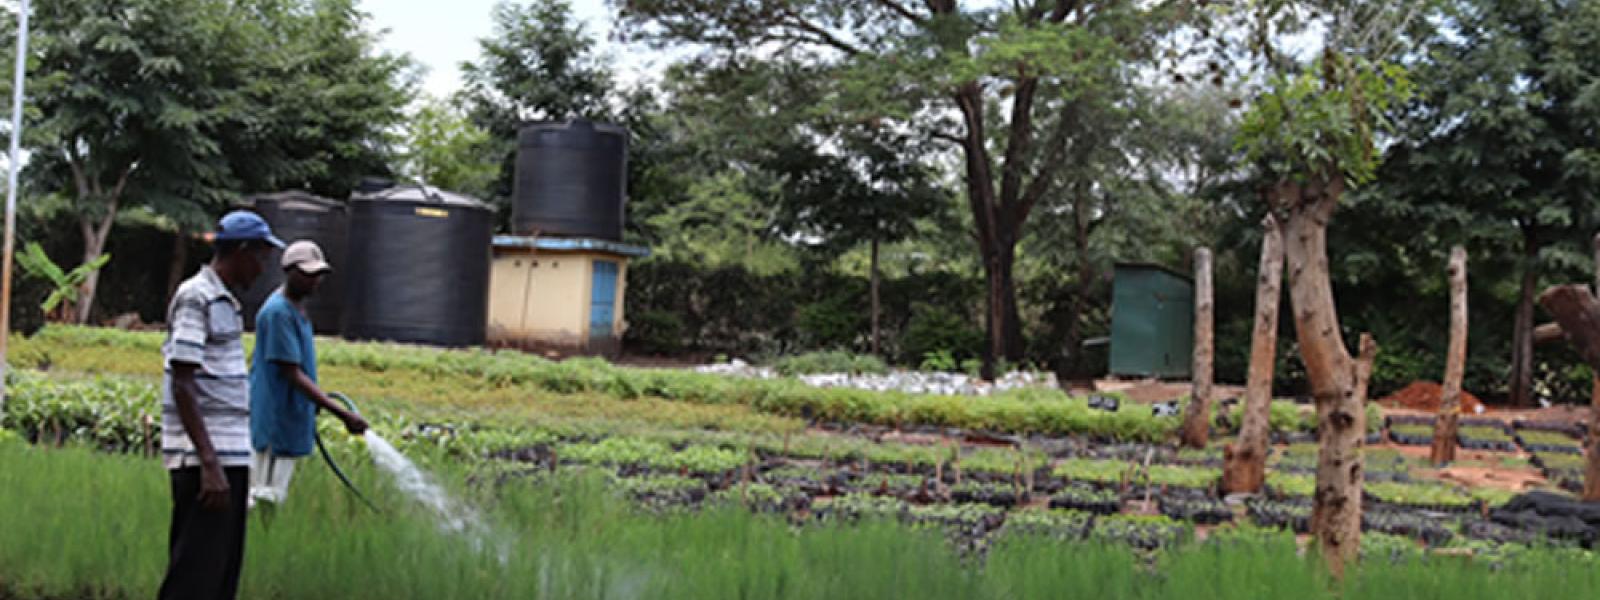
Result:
{"points": [[1444, 431], [1004, 333], [1080, 296], [1522, 337], [180, 260], [1197, 423], [1338, 382], [95, 232], [877, 309], [1245, 462]]}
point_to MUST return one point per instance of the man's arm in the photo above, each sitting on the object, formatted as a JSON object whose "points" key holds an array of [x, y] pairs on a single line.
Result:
{"points": [[292, 372], [213, 484]]}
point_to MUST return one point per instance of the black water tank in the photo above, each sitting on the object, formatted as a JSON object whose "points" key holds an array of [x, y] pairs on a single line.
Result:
{"points": [[296, 215], [419, 267], [571, 180]]}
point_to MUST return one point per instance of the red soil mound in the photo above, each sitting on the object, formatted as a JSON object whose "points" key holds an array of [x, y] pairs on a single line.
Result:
{"points": [[1425, 396]]}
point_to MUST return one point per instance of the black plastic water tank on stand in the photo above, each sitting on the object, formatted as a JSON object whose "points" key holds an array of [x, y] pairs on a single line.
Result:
{"points": [[297, 215], [571, 180], [419, 267]]}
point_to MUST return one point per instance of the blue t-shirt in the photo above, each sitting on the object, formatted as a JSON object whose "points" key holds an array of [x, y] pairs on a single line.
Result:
{"points": [[282, 418]]}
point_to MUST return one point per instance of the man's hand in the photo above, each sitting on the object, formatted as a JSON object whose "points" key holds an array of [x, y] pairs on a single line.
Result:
{"points": [[214, 491], [354, 423]]}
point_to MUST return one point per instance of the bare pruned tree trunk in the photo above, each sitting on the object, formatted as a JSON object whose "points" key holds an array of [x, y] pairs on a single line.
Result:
{"points": [[1444, 431], [1338, 381], [1591, 448], [1576, 309], [1245, 462], [1197, 423]]}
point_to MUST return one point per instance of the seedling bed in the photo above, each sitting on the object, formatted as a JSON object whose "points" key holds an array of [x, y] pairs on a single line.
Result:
{"points": [[1086, 498], [1406, 523], [1573, 430]]}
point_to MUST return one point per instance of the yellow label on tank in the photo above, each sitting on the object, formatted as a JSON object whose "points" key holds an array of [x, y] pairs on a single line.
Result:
{"points": [[437, 213]]}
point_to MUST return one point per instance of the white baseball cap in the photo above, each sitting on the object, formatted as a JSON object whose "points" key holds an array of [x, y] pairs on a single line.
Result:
{"points": [[306, 256]]}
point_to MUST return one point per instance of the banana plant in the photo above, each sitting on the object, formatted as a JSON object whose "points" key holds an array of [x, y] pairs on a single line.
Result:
{"points": [[36, 263]]}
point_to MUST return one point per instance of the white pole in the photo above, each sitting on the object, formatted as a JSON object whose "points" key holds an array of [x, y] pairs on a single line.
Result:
{"points": [[11, 196]]}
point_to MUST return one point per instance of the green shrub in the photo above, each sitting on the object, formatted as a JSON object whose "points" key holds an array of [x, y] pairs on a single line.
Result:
{"points": [[108, 413], [836, 321], [655, 332], [939, 360], [934, 329]]}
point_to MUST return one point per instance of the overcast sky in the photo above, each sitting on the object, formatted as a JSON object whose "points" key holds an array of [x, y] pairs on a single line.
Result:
{"points": [[440, 35]]}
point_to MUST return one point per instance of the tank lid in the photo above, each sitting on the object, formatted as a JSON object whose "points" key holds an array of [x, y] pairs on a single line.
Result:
{"points": [[422, 194], [298, 199], [573, 125]]}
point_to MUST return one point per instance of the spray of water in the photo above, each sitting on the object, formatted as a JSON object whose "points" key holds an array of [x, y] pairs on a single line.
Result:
{"points": [[453, 516]]}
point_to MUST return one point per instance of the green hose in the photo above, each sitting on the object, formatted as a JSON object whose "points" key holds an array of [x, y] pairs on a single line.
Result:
{"points": [[335, 466]]}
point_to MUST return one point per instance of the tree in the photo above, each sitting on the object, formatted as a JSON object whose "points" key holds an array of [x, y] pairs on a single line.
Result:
{"points": [[1444, 432], [179, 105], [723, 222], [1245, 462], [324, 100], [539, 64], [1132, 189], [988, 83], [837, 184], [1499, 150], [445, 149], [1197, 421], [127, 98], [1313, 131]]}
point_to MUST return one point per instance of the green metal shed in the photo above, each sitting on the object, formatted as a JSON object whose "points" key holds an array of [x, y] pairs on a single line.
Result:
{"points": [[1152, 321]]}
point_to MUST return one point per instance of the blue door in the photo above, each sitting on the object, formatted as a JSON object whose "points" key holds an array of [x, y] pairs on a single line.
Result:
{"points": [[603, 300]]}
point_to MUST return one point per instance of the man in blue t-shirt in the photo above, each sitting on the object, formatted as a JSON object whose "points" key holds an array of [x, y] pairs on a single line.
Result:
{"points": [[284, 395]]}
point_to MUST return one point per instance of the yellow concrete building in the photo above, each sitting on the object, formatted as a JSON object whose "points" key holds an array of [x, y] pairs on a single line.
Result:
{"points": [[560, 294]]}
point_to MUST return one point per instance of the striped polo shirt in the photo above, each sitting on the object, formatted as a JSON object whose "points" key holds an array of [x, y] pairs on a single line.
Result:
{"points": [[204, 327]]}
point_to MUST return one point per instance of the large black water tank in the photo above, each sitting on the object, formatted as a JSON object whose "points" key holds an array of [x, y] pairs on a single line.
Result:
{"points": [[419, 267], [571, 180], [296, 215]]}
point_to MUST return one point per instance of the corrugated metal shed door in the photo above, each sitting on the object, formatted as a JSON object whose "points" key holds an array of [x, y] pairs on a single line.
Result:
{"points": [[1152, 322], [603, 300]]}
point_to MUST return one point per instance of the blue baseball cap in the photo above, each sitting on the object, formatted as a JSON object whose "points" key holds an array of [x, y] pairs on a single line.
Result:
{"points": [[245, 226]]}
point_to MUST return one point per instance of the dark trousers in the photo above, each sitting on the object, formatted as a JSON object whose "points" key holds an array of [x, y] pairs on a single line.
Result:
{"points": [[205, 547]]}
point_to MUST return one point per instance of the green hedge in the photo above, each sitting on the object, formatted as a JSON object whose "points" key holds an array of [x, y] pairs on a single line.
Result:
{"points": [[1028, 411]]}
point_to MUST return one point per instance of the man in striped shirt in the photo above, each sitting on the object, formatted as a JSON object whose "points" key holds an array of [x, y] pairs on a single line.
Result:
{"points": [[205, 414]]}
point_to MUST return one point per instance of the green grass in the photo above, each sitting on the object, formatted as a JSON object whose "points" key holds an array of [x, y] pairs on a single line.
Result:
{"points": [[85, 524]]}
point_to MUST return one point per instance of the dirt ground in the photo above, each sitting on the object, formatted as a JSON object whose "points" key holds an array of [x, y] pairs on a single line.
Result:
{"points": [[1149, 391]]}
